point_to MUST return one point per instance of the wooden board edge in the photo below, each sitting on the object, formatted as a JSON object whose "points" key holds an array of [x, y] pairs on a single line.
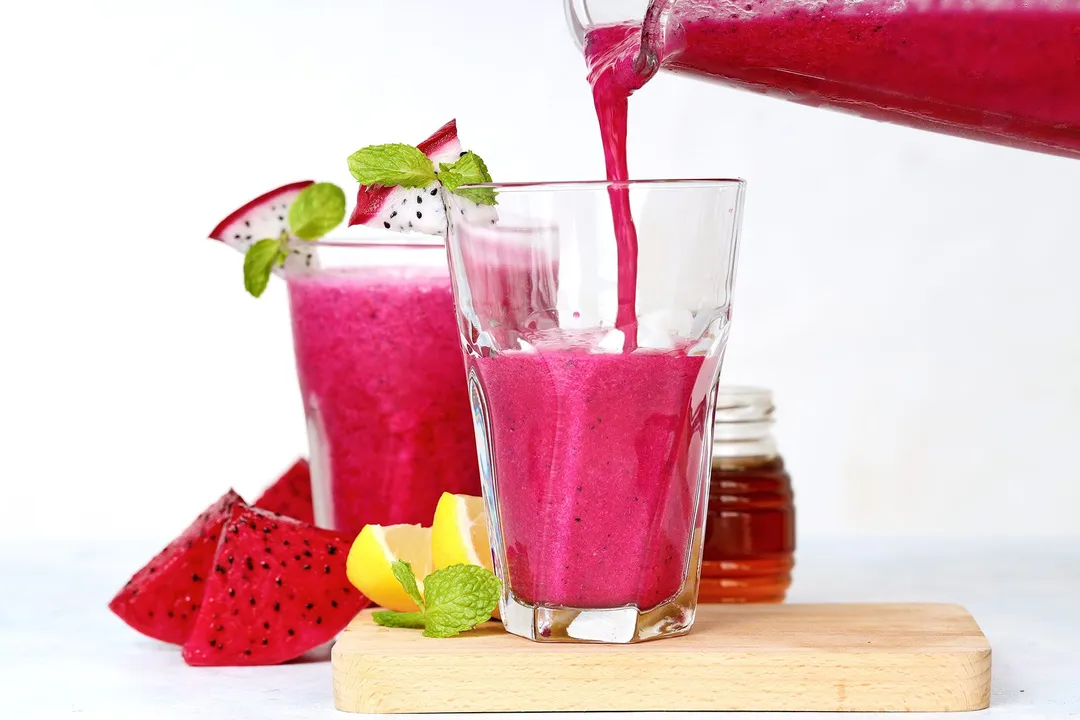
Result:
{"points": [[371, 684], [367, 680]]}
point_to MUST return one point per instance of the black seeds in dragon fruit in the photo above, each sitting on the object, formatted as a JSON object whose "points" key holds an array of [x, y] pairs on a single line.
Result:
{"points": [[265, 216], [156, 600], [306, 608], [379, 206]]}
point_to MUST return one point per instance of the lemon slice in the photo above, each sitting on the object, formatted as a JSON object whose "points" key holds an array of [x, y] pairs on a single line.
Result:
{"points": [[459, 532], [375, 548]]}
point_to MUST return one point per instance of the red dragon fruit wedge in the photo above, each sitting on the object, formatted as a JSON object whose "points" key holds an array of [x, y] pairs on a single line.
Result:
{"points": [[277, 589], [418, 209], [266, 217], [163, 598], [290, 495]]}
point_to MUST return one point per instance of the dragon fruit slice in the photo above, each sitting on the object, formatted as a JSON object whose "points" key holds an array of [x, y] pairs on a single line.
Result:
{"points": [[418, 209], [163, 598], [266, 217], [290, 495], [277, 590]]}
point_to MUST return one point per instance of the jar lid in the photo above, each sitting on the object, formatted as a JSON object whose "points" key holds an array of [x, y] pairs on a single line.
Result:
{"points": [[743, 404]]}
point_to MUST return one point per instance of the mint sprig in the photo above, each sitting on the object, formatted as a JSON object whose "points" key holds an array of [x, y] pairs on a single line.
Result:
{"points": [[409, 620], [398, 165], [469, 169], [260, 260], [456, 599], [392, 165], [459, 598], [404, 573], [318, 209]]}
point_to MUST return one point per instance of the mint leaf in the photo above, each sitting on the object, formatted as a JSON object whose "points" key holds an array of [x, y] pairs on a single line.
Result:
{"points": [[392, 165], [480, 196], [469, 169], [317, 210], [404, 573], [391, 619], [459, 598], [449, 177], [259, 261]]}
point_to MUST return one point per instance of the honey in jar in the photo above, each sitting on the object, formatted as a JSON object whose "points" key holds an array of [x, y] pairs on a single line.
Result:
{"points": [[749, 545]]}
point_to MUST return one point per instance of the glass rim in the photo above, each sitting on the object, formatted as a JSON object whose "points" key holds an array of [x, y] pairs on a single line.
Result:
{"points": [[559, 185], [427, 242], [421, 242]]}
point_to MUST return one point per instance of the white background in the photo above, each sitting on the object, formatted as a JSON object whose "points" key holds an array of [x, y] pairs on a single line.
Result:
{"points": [[912, 299]]}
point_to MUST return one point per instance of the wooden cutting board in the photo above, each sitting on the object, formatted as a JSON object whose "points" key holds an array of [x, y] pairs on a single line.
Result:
{"points": [[910, 657]]}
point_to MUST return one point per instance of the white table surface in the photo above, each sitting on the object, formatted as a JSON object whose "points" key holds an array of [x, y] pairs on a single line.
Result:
{"points": [[62, 652]]}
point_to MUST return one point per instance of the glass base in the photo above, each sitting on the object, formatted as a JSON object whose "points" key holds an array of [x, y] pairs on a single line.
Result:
{"points": [[627, 624]]}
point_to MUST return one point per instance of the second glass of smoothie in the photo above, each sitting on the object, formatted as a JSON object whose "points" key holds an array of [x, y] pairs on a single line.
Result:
{"points": [[594, 434], [380, 370]]}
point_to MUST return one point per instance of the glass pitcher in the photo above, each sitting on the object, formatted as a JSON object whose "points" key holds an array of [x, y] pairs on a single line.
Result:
{"points": [[1000, 71]]}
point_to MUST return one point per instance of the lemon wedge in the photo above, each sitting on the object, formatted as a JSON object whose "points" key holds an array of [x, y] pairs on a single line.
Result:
{"points": [[459, 532], [375, 548]]}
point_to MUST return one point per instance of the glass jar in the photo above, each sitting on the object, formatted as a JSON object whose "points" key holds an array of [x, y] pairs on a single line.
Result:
{"points": [[750, 527]]}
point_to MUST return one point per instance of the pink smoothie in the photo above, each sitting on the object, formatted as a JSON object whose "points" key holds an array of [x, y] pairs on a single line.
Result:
{"points": [[597, 458], [382, 378], [1008, 74]]}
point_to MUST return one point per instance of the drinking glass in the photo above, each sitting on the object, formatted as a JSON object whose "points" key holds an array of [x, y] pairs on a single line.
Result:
{"points": [[594, 433], [380, 371]]}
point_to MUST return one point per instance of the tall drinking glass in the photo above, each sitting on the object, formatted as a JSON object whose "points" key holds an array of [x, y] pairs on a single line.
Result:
{"points": [[380, 370], [595, 441]]}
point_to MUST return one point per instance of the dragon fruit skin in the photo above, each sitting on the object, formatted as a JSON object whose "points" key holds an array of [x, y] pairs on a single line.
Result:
{"points": [[277, 589], [266, 217], [163, 598], [290, 495], [419, 210]]}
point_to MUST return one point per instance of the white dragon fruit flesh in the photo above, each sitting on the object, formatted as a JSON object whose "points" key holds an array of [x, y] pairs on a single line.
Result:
{"points": [[266, 217], [419, 210]]}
